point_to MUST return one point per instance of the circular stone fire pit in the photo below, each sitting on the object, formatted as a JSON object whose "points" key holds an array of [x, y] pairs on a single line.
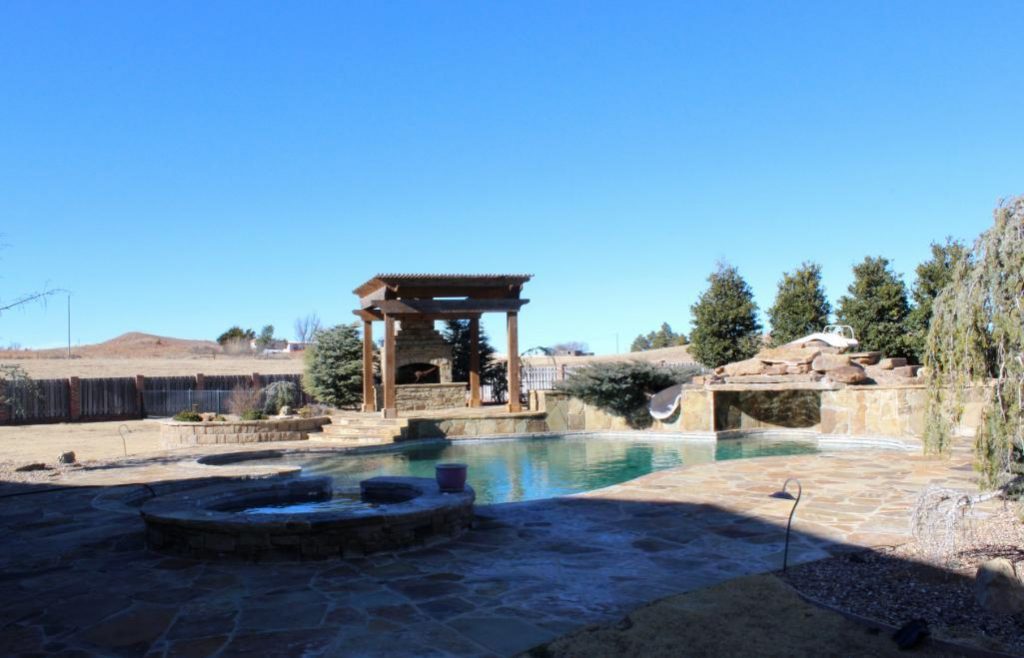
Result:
{"points": [[213, 521]]}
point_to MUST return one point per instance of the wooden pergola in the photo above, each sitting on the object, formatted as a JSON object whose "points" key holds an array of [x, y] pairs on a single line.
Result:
{"points": [[391, 297]]}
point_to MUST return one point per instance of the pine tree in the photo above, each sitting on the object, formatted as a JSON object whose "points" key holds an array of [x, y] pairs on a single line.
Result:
{"points": [[800, 305], [640, 344], [456, 334], [876, 307], [334, 366], [663, 337], [932, 276], [725, 324]]}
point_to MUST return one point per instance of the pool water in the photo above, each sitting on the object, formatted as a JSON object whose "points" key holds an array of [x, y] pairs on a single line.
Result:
{"points": [[510, 470]]}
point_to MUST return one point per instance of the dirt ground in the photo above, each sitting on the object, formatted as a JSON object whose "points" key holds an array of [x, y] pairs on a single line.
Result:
{"points": [[21, 444], [752, 616]]}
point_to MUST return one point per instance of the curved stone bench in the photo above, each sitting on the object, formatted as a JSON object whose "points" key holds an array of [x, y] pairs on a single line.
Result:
{"points": [[411, 512], [180, 434]]}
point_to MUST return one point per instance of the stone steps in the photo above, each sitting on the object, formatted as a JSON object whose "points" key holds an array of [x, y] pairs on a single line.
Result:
{"points": [[366, 427]]}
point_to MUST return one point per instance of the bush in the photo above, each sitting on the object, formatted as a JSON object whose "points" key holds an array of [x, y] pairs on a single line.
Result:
{"points": [[188, 416], [253, 414], [277, 395], [244, 399], [624, 388], [334, 366]]}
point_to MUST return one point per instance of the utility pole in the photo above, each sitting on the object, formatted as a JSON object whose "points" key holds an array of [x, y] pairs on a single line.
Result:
{"points": [[69, 325]]}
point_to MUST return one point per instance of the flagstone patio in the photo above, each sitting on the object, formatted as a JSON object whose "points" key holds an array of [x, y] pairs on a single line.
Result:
{"points": [[78, 580]]}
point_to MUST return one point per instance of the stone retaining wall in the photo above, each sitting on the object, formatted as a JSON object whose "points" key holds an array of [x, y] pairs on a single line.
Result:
{"points": [[175, 434], [484, 425], [419, 397]]}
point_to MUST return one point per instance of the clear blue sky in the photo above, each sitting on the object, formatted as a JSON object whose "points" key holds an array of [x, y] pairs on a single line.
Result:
{"points": [[183, 167]]}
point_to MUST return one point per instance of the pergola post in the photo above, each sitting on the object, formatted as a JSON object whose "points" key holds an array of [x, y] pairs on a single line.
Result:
{"points": [[513, 362], [369, 404], [390, 407], [474, 362]]}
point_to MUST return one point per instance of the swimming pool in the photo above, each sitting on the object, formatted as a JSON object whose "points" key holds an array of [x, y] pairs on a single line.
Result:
{"points": [[508, 470]]}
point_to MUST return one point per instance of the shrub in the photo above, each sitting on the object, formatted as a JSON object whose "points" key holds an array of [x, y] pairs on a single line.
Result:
{"points": [[277, 395], [334, 366], [624, 388], [188, 416], [252, 414], [244, 399]]}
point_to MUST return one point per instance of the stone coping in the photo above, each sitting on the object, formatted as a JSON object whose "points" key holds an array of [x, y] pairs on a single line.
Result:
{"points": [[201, 522], [272, 421]]}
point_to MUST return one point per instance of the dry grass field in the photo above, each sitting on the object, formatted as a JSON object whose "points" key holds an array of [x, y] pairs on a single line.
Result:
{"points": [[145, 354]]}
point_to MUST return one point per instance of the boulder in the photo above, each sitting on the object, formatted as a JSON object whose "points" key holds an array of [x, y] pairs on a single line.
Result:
{"points": [[998, 589], [865, 358], [906, 371], [849, 374], [828, 362], [788, 354], [753, 366], [894, 362], [66, 457], [776, 369], [798, 369], [285, 411]]}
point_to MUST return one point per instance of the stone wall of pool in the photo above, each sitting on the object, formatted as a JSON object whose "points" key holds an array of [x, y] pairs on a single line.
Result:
{"points": [[868, 412]]}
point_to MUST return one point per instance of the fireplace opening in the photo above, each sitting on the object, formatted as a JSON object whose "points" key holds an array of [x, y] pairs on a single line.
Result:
{"points": [[418, 373]]}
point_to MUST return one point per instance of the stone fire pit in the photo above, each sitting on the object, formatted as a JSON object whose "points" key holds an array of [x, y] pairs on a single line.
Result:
{"points": [[211, 522]]}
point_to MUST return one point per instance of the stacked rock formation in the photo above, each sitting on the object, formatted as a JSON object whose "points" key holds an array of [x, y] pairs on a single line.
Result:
{"points": [[811, 361]]}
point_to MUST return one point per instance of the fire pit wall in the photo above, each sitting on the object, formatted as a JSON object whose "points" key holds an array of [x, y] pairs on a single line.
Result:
{"points": [[175, 434]]}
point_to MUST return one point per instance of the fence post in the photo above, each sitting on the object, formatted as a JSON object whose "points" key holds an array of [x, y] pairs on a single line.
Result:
{"points": [[256, 380], [5, 413], [140, 399], [75, 398], [561, 373], [200, 381]]}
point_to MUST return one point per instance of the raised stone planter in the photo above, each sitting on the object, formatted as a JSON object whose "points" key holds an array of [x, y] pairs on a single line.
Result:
{"points": [[175, 434], [199, 523]]}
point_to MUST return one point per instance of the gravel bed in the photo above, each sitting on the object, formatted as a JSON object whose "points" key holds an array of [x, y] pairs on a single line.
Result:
{"points": [[895, 585]]}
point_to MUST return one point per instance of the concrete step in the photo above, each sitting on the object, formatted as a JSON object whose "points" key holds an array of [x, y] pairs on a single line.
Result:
{"points": [[368, 421], [350, 440], [343, 431]]}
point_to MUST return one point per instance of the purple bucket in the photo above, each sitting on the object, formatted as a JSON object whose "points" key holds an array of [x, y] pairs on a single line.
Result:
{"points": [[451, 478]]}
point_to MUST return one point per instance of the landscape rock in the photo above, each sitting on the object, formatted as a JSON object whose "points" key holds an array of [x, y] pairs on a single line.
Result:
{"points": [[66, 457], [788, 354], [285, 411], [849, 374], [998, 589], [906, 371], [893, 362], [753, 366], [865, 358], [798, 369], [777, 369], [828, 362], [35, 466]]}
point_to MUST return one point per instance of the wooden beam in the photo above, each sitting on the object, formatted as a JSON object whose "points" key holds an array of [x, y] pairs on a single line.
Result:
{"points": [[390, 410], [474, 362], [369, 402], [449, 306], [513, 362], [368, 315]]}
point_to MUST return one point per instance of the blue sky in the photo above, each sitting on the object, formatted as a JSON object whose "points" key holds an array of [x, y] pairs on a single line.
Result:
{"points": [[182, 167]]}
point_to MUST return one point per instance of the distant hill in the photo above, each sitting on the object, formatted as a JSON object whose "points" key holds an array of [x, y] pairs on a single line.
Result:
{"points": [[133, 344]]}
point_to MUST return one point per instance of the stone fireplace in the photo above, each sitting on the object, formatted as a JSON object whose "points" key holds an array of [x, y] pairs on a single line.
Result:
{"points": [[423, 374]]}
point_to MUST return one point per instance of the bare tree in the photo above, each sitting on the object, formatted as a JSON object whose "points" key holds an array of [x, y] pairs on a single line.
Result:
{"points": [[306, 327]]}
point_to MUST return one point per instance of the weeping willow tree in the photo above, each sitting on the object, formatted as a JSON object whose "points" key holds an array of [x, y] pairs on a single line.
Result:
{"points": [[975, 343]]}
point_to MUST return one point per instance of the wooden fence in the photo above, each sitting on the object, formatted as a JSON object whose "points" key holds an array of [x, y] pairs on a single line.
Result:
{"points": [[113, 398]]}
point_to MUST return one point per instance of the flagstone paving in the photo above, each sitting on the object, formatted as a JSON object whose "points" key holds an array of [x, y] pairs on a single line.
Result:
{"points": [[76, 578]]}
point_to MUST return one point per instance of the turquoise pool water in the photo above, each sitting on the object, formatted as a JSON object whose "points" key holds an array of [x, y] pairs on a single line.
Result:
{"points": [[509, 470]]}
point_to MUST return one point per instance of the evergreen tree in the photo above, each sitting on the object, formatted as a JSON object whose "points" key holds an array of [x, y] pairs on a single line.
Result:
{"points": [[800, 305], [876, 307], [456, 334], [663, 337], [932, 276], [334, 366], [236, 334], [725, 324], [640, 344]]}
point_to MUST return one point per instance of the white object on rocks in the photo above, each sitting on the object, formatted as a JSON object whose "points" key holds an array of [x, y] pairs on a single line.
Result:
{"points": [[285, 411], [997, 587]]}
